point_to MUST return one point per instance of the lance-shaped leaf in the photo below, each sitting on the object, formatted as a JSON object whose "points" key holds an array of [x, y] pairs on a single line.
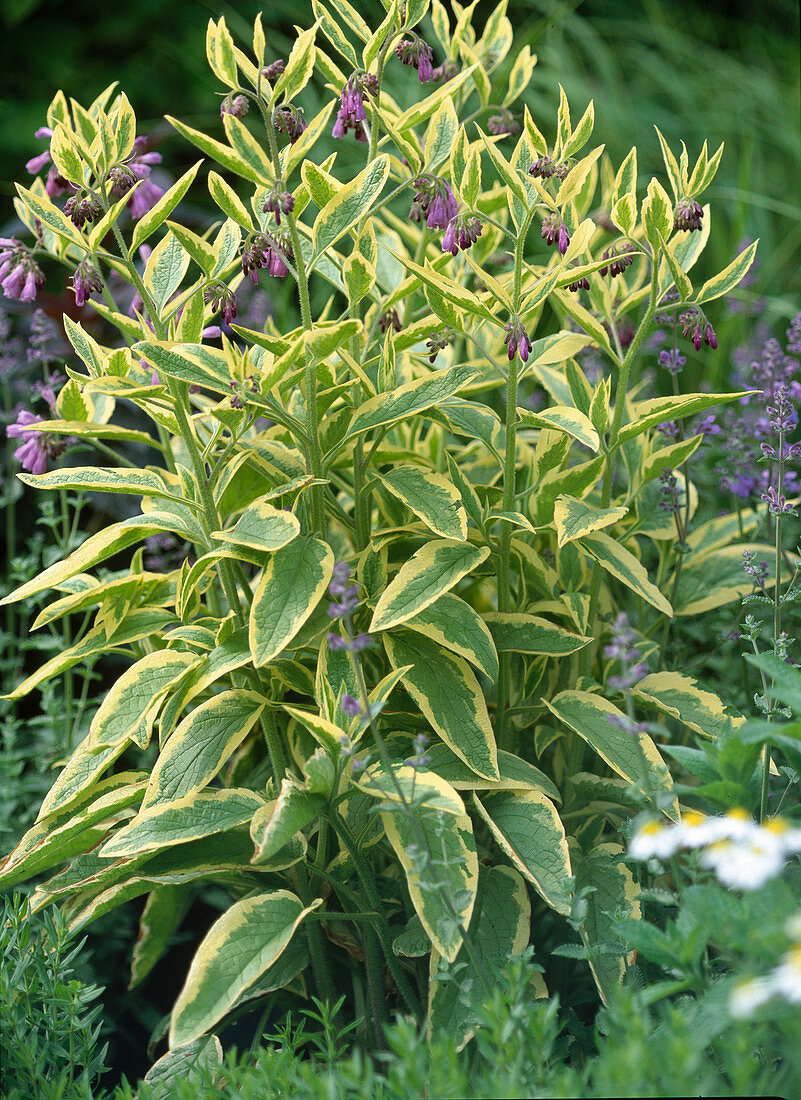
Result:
{"points": [[513, 632], [262, 527], [516, 774], [454, 624], [432, 570], [138, 624], [159, 213], [562, 419], [275, 824], [696, 595], [237, 949], [622, 564], [201, 744], [438, 855], [410, 398], [728, 279], [574, 518], [450, 698], [62, 834], [291, 586], [647, 414], [194, 363], [431, 496], [129, 710], [604, 728], [195, 815], [681, 697], [614, 895], [529, 830], [349, 205], [101, 479], [499, 929]]}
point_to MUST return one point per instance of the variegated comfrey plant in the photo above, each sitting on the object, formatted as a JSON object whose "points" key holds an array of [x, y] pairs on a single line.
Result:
{"points": [[373, 698]]}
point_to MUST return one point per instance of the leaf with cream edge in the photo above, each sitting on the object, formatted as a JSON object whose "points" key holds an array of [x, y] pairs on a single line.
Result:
{"points": [[452, 623], [603, 727], [451, 868], [514, 632], [528, 829], [622, 565], [431, 496], [99, 479], [201, 744], [681, 697], [410, 398], [725, 564], [432, 570], [261, 527], [291, 586], [237, 949], [499, 929], [191, 817], [575, 518], [128, 712], [562, 419], [348, 205], [449, 697], [276, 823]]}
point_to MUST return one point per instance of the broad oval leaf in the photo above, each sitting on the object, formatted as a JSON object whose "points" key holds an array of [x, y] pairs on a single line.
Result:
{"points": [[432, 570], [237, 949], [431, 496], [681, 697], [449, 696], [529, 830], [454, 624], [262, 527], [291, 586], [514, 632]]}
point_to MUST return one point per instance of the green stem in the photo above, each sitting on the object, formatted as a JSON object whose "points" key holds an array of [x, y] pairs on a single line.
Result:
{"points": [[365, 874], [611, 452]]}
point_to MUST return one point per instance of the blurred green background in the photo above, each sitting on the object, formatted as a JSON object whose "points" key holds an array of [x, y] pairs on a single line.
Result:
{"points": [[725, 71]]}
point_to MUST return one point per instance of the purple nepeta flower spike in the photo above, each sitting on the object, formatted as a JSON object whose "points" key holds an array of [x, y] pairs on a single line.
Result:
{"points": [[350, 706]]}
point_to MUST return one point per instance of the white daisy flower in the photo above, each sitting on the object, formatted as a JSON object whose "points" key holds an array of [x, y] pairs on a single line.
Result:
{"points": [[745, 864], [786, 978], [697, 829], [655, 839], [748, 996]]}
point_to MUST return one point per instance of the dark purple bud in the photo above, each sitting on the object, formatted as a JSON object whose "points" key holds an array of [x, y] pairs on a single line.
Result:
{"points": [[289, 120], [279, 202], [437, 341], [221, 298], [688, 215], [418, 54], [388, 320], [504, 123], [580, 284], [236, 105], [542, 168], [517, 341], [273, 71]]}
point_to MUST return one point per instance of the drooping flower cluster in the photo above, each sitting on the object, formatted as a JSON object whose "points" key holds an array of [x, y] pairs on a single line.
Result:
{"points": [[579, 284], [502, 124], [688, 215], [433, 200], [267, 251], [85, 281], [20, 275], [698, 329], [273, 70], [137, 166], [618, 255], [289, 120], [81, 209], [517, 340], [222, 298], [462, 232], [236, 105], [279, 202], [743, 854], [544, 167], [55, 184], [351, 114], [36, 447], [554, 229], [390, 320], [438, 341], [418, 54]]}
